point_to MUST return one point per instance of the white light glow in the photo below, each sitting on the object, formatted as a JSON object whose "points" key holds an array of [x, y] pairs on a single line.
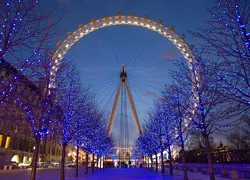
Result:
{"points": [[116, 20]]}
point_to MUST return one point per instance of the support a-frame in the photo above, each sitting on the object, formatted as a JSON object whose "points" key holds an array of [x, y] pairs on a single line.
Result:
{"points": [[123, 79]]}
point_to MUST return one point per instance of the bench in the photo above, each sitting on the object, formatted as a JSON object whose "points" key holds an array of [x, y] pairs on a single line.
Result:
{"points": [[232, 174], [224, 173], [7, 167]]}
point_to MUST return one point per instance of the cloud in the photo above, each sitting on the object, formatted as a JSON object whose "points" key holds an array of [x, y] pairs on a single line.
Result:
{"points": [[172, 54], [169, 55], [149, 94]]}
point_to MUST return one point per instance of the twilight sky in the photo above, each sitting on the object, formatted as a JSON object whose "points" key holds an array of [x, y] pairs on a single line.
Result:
{"points": [[146, 54]]}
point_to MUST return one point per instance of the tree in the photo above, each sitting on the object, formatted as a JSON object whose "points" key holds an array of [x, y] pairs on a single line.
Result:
{"points": [[34, 100], [196, 141], [165, 114], [154, 126], [208, 111], [227, 37], [175, 104], [68, 96], [237, 140], [43, 120], [146, 143], [24, 32], [136, 153], [99, 139], [94, 138], [245, 126], [83, 105]]}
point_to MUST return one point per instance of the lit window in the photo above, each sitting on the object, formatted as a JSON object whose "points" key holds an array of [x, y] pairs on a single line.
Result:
{"points": [[7, 144], [1, 139]]}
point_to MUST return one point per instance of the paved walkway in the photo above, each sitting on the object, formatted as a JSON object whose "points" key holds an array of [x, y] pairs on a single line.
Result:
{"points": [[106, 174], [141, 173]]}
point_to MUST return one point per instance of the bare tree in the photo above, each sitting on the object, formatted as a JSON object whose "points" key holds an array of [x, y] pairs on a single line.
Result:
{"points": [[196, 141], [237, 140], [175, 105], [95, 139], [24, 32], [25, 29], [154, 125], [245, 126], [43, 117], [68, 93], [227, 36], [83, 104], [209, 111]]}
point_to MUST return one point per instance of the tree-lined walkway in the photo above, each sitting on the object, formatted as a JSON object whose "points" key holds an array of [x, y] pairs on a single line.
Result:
{"points": [[126, 174], [142, 173], [106, 174]]}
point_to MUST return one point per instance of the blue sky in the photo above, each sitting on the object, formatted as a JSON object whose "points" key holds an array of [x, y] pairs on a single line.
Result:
{"points": [[146, 55]]}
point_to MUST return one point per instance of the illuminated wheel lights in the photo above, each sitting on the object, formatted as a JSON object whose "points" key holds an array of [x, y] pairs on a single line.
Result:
{"points": [[106, 21]]}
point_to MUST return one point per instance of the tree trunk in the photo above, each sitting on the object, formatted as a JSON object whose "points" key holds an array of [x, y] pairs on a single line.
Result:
{"points": [[93, 163], [97, 163], [209, 158], [162, 163], [151, 158], [62, 173], [156, 161], [77, 155], [35, 158], [87, 163], [103, 164], [170, 161], [184, 162]]}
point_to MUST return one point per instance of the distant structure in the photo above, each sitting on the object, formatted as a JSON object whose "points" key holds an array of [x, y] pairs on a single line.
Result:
{"points": [[124, 91]]}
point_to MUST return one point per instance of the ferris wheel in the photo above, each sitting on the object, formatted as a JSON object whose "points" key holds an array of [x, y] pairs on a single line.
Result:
{"points": [[102, 62]]}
